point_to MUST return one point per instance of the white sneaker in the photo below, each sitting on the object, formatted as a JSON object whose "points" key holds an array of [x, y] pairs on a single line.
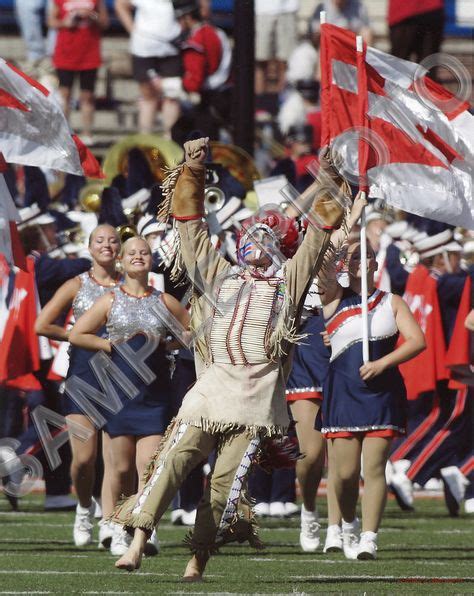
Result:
{"points": [[261, 509], [97, 507], [402, 488], [121, 540], [401, 465], [106, 530], [350, 538], [177, 517], [152, 546], [469, 505], [433, 484], [188, 518], [83, 525], [277, 509], [367, 548], [291, 509], [333, 542], [456, 482], [309, 535]]}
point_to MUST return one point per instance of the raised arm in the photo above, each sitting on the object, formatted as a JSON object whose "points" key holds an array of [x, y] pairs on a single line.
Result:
{"points": [[203, 263], [83, 333], [59, 304], [325, 215]]}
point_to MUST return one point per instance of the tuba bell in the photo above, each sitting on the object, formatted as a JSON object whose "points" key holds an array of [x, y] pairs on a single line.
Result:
{"points": [[126, 232]]}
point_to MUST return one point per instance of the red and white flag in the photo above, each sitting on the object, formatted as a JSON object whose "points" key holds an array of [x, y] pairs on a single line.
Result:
{"points": [[20, 352], [419, 156], [34, 130], [10, 244]]}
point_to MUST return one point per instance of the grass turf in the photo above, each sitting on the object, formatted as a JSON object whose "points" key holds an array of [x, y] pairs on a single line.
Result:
{"points": [[425, 552]]}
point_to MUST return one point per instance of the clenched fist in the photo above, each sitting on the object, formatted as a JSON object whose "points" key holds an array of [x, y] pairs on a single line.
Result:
{"points": [[195, 151]]}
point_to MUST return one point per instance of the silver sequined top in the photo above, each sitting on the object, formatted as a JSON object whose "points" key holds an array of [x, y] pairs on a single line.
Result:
{"points": [[130, 315], [89, 292]]}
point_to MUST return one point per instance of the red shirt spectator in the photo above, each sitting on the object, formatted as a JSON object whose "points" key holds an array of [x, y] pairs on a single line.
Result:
{"points": [[207, 59], [399, 11], [78, 47]]}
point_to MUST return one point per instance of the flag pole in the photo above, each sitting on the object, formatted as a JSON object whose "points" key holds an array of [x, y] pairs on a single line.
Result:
{"points": [[363, 257]]}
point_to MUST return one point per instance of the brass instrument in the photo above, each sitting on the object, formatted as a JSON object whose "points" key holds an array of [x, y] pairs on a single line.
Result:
{"points": [[159, 152], [126, 232], [239, 163], [214, 199], [90, 197]]}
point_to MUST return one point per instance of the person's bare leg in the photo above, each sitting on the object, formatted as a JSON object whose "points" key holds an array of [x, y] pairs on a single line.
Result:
{"points": [[309, 468], [170, 111], [122, 475], [107, 499], [84, 456], [347, 460], [87, 106], [375, 451], [334, 511], [145, 449], [65, 93], [132, 559], [147, 106]]}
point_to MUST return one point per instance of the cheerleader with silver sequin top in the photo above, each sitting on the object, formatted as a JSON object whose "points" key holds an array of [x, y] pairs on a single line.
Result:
{"points": [[80, 294], [133, 314], [363, 406]]}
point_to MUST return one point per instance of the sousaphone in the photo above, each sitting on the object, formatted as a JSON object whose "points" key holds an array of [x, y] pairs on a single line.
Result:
{"points": [[159, 152]]}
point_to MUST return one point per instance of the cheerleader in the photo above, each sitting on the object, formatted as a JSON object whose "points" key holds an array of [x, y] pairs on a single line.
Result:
{"points": [[80, 293], [131, 312], [364, 404], [304, 396]]}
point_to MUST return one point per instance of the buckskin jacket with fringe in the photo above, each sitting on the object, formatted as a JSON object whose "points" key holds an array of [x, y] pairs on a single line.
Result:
{"points": [[245, 328]]}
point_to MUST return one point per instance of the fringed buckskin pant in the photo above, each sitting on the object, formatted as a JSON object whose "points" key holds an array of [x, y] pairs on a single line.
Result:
{"points": [[224, 514]]}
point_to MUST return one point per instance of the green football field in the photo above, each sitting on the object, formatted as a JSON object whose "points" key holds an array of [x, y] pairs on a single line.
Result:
{"points": [[424, 552]]}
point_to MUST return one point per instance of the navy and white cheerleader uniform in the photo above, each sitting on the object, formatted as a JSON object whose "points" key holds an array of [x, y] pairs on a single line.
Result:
{"points": [[89, 292], [311, 356], [351, 405], [131, 318]]}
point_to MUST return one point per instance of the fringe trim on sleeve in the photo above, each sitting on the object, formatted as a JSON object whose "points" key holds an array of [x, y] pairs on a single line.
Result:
{"points": [[164, 214], [168, 186]]}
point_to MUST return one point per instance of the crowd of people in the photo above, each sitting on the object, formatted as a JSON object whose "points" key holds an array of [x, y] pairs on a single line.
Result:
{"points": [[187, 342]]}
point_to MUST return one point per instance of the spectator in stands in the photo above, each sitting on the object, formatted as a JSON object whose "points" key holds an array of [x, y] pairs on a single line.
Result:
{"points": [[154, 45], [416, 28], [207, 60], [77, 52], [350, 14], [29, 14], [275, 39]]}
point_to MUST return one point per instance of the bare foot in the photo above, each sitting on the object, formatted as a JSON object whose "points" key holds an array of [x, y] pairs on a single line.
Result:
{"points": [[195, 569], [130, 561]]}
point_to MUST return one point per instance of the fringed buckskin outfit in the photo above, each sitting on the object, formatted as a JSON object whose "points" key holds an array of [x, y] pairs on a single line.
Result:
{"points": [[244, 327]]}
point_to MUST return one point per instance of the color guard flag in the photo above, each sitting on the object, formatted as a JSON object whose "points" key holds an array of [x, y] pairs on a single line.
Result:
{"points": [[419, 154], [34, 130], [20, 347], [10, 244]]}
